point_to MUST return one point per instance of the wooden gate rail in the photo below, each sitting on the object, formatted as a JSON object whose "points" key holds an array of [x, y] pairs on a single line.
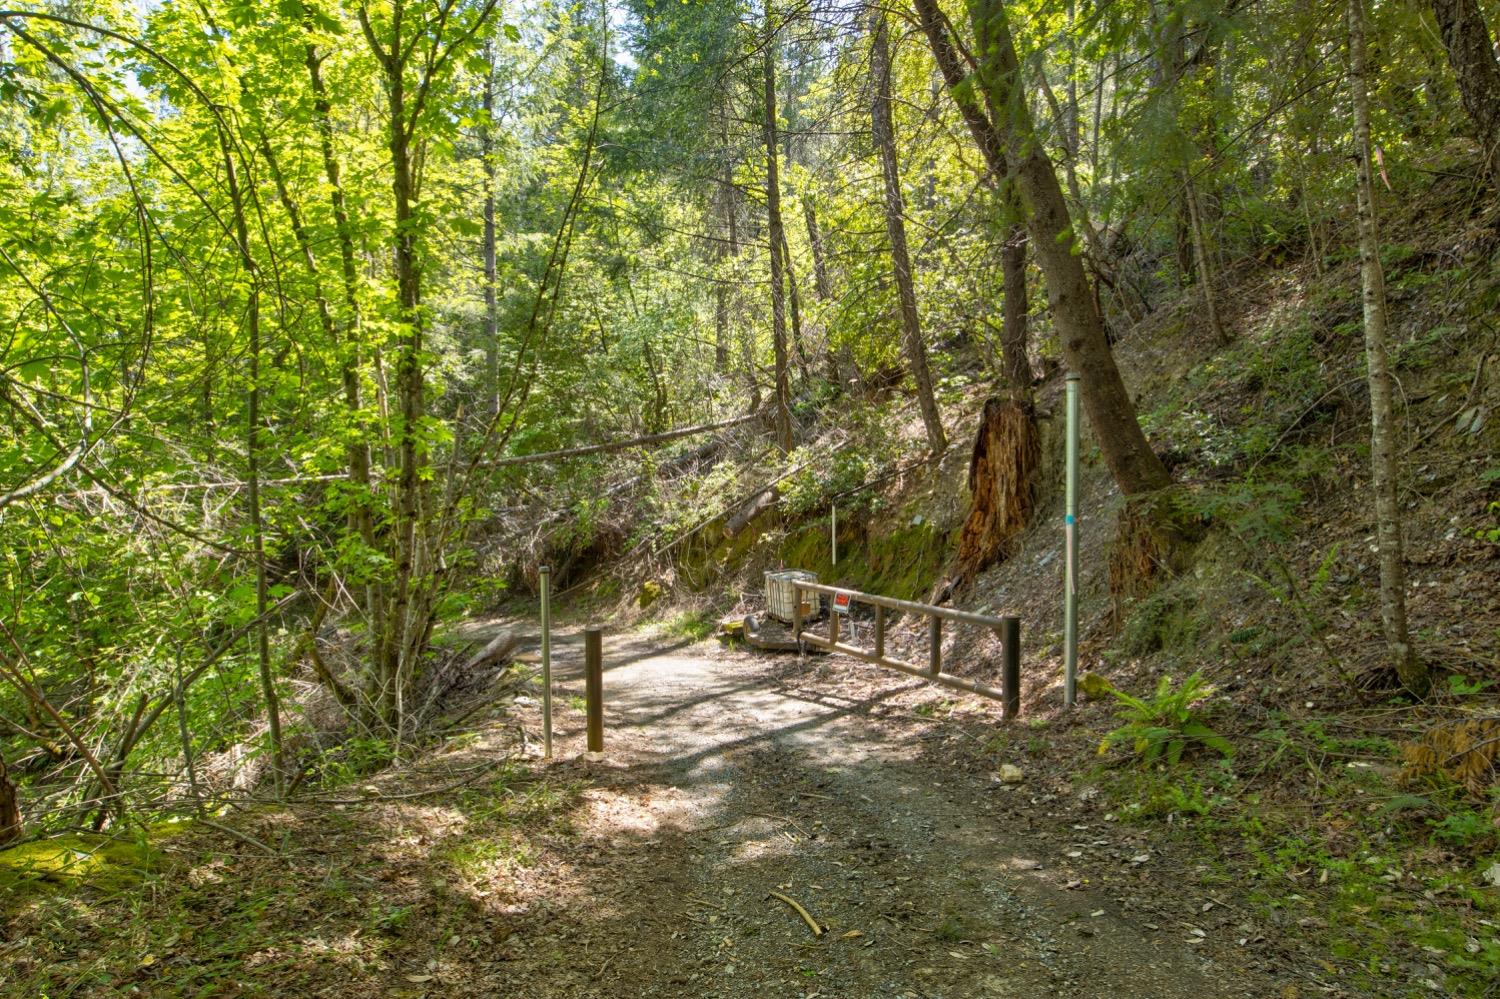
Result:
{"points": [[1008, 629]]}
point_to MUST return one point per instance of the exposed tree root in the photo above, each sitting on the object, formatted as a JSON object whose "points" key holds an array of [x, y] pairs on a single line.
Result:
{"points": [[1153, 535]]}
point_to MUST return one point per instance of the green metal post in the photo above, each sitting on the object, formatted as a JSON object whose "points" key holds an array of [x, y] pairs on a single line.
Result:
{"points": [[546, 574], [1070, 544]]}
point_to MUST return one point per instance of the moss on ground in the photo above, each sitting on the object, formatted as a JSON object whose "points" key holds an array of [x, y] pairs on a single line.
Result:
{"points": [[104, 863]]}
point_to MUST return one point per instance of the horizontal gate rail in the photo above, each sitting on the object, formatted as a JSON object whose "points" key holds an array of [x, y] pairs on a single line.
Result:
{"points": [[1007, 628]]}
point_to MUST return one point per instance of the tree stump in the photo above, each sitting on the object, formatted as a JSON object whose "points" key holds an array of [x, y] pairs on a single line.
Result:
{"points": [[10, 807], [1002, 489]]}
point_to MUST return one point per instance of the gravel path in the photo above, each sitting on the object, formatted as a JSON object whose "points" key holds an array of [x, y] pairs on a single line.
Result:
{"points": [[721, 784]]}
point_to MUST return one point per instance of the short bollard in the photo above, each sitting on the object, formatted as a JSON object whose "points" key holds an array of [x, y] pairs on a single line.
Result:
{"points": [[593, 686], [1010, 663]]}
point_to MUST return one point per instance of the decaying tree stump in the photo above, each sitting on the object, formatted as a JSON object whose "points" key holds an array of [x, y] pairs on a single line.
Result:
{"points": [[1002, 488], [10, 808]]}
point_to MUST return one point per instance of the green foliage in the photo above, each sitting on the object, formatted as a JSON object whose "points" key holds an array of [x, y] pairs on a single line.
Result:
{"points": [[1259, 512], [1462, 686], [1166, 619], [693, 625], [1491, 534], [353, 759], [1162, 727], [1465, 828]]}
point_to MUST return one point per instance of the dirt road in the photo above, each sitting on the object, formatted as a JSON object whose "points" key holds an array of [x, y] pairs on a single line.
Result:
{"points": [[649, 873], [726, 777]]}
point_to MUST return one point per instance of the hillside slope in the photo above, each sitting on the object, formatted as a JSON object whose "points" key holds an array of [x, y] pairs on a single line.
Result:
{"points": [[1316, 811]]}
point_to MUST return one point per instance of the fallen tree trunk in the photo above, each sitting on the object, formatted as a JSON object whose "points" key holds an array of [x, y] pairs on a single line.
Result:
{"points": [[756, 505], [496, 650]]}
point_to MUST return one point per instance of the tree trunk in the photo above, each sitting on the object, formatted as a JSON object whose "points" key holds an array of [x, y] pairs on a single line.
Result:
{"points": [[1002, 475], [1412, 672], [815, 240], [794, 299], [883, 133], [1467, 39], [722, 254], [721, 308], [778, 241], [491, 307], [360, 515], [821, 288], [1014, 330], [10, 808], [1203, 259], [1014, 335], [1135, 467], [746, 335], [252, 472], [401, 636]]}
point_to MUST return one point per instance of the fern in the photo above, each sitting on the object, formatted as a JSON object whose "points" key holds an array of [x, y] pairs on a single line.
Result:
{"points": [[1165, 725]]}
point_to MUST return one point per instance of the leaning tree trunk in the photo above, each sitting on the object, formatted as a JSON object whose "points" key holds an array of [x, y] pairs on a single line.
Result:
{"points": [[778, 241], [1135, 467], [884, 134], [1467, 39], [10, 807], [1013, 338], [1412, 672]]}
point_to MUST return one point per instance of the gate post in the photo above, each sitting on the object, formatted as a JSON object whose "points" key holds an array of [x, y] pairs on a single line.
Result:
{"points": [[593, 687], [1010, 658]]}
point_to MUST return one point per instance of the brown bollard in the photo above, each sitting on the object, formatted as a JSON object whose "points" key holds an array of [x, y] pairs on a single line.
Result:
{"points": [[1010, 659], [593, 686]]}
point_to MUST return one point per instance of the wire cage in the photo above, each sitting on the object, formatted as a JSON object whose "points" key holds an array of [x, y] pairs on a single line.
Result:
{"points": [[781, 595]]}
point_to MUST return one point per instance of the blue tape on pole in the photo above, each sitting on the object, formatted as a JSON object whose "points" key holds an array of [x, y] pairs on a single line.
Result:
{"points": [[1068, 518]]}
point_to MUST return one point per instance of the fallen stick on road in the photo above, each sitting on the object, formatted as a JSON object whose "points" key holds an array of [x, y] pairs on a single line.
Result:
{"points": [[812, 923]]}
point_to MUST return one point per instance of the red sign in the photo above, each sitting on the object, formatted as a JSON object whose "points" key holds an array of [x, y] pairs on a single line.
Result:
{"points": [[841, 603]]}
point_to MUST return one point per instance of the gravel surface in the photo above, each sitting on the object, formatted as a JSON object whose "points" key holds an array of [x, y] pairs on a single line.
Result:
{"points": [[728, 776]]}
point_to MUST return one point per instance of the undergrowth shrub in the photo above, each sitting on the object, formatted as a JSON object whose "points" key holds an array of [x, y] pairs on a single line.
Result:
{"points": [[1465, 752], [1163, 726], [1163, 620]]}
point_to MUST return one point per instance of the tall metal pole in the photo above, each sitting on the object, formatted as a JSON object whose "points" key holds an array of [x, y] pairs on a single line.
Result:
{"points": [[546, 574], [1070, 543], [833, 535]]}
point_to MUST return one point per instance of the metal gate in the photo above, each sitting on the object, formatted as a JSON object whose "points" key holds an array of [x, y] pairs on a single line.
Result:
{"points": [[1008, 629]]}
